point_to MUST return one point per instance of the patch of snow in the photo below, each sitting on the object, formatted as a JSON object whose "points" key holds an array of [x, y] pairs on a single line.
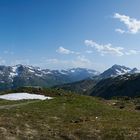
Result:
{"points": [[49, 72], [30, 67], [12, 74], [31, 70], [39, 75], [63, 72], [122, 71], [23, 96], [14, 69], [118, 72], [125, 70], [72, 70]]}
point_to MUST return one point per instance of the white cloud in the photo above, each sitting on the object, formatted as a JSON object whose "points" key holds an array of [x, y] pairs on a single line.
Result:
{"points": [[132, 24], [105, 49], [132, 52], [108, 49], [63, 50], [120, 31]]}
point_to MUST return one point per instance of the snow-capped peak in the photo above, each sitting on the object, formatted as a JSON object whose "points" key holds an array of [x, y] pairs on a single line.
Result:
{"points": [[117, 70]]}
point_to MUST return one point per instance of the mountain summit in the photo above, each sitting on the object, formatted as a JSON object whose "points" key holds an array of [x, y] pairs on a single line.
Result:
{"points": [[117, 70]]}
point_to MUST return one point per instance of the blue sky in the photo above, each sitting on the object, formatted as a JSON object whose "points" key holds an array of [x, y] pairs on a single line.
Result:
{"points": [[59, 34]]}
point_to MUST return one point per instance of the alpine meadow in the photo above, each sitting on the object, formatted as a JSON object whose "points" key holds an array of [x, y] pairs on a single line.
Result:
{"points": [[69, 70]]}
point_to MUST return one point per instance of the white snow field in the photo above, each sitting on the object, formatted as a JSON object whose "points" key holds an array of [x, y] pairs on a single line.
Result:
{"points": [[23, 96]]}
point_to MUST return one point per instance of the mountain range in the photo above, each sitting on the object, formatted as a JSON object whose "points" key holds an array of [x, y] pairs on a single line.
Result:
{"points": [[115, 81], [22, 75]]}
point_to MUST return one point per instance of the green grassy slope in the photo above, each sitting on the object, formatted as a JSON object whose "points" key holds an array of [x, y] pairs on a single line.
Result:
{"points": [[68, 117]]}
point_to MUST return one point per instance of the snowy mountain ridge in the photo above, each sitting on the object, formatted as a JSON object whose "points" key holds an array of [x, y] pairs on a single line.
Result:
{"points": [[23, 75], [117, 70]]}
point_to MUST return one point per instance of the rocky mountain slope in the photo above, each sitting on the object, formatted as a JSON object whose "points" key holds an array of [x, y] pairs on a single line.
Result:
{"points": [[80, 87], [123, 85], [116, 81], [21, 75]]}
